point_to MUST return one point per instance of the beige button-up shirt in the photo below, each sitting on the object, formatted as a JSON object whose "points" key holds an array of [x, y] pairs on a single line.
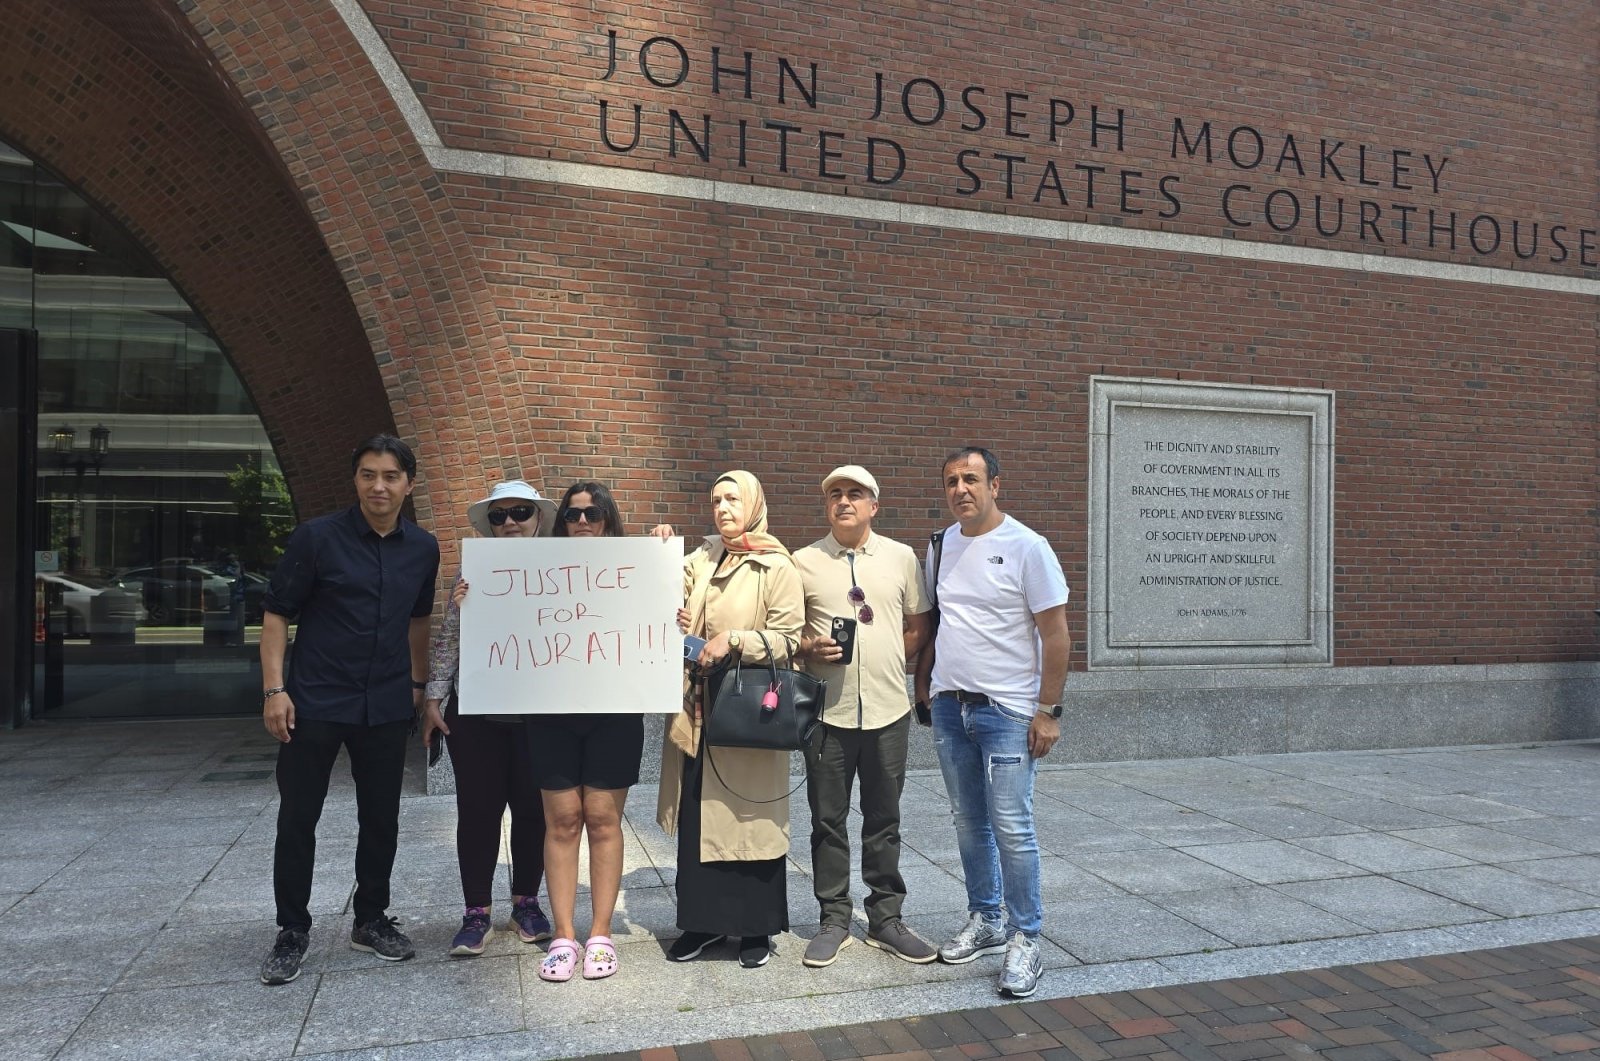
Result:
{"points": [[869, 692]]}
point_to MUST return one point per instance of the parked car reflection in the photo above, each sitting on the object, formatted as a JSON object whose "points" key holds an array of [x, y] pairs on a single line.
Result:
{"points": [[235, 603], [173, 593], [117, 609]]}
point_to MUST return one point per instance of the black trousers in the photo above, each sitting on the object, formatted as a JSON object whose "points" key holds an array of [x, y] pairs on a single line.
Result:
{"points": [[494, 769], [305, 763], [878, 758]]}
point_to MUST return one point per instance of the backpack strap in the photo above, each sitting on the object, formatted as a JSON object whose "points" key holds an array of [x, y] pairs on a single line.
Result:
{"points": [[936, 553]]}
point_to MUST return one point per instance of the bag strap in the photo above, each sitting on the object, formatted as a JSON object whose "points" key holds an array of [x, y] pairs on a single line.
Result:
{"points": [[772, 669], [806, 776], [772, 661], [697, 673], [936, 551]]}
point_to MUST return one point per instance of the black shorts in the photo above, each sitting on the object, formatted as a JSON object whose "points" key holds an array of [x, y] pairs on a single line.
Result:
{"points": [[594, 751]]}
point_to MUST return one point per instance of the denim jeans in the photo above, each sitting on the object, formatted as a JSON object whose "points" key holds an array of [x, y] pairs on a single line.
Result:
{"points": [[983, 752]]}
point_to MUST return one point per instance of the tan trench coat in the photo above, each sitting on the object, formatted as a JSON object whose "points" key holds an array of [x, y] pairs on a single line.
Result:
{"points": [[762, 593]]}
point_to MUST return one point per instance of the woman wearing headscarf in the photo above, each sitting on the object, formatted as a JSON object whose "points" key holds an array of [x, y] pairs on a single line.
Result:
{"points": [[732, 820], [489, 754]]}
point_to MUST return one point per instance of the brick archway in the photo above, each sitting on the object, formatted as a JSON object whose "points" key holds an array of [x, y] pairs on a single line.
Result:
{"points": [[141, 127], [283, 194], [429, 318]]}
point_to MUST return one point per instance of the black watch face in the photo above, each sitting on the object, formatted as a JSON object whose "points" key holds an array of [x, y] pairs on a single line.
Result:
{"points": [[1055, 712]]}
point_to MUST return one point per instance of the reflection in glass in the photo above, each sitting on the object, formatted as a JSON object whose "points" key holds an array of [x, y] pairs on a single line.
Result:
{"points": [[161, 508]]}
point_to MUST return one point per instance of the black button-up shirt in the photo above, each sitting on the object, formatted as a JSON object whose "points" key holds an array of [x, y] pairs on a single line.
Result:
{"points": [[354, 594]]}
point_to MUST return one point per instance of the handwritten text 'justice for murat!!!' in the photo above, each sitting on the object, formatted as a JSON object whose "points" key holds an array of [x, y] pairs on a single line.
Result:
{"points": [[586, 647]]}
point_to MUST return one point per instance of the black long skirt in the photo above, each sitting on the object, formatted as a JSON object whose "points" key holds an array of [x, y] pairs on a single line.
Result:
{"points": [[724, 898]]}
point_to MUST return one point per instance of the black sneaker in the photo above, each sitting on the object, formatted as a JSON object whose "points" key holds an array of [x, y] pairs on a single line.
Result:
{"points": [[754, 951], [382, 938], [687, 947], [288, 951]]}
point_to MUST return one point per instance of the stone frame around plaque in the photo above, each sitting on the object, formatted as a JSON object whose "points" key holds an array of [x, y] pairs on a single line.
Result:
{"points": [[1230, 583]]}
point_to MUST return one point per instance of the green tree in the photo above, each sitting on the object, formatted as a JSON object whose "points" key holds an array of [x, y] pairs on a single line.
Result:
{"points": [[261, 498]]}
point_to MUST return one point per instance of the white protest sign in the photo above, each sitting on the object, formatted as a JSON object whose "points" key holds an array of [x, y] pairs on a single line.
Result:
{"points": [[571, 626]]}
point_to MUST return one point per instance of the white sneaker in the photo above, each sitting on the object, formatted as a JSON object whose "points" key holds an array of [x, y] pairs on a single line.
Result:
{"points": [[1019, 975]]}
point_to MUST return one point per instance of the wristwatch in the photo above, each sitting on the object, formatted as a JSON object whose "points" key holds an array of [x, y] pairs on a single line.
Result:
{"points": [[1054, 709], [733, 640], [268, 694]]}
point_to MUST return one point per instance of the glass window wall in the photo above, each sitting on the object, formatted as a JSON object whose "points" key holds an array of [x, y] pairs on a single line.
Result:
{"points": [[160, 508]]}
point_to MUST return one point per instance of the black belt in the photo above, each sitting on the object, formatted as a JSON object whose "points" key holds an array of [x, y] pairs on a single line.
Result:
{"points": [[976, 699]]}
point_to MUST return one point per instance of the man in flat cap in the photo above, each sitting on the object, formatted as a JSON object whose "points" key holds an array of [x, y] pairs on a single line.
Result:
{"points": [[866, 614]]}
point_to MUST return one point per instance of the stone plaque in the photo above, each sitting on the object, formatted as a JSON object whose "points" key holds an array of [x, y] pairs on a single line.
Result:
{"points": [[1210, 519]]}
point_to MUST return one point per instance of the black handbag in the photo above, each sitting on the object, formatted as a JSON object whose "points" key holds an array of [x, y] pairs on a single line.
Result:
{"points": [[765, 706]]}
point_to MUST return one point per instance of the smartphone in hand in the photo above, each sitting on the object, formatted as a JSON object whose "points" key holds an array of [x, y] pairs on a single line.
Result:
{"points": [[843, 632], [691, 647]]}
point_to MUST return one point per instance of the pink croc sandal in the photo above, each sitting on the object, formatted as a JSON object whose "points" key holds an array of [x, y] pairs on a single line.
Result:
{"points": [[560, 961], [599, 958]]}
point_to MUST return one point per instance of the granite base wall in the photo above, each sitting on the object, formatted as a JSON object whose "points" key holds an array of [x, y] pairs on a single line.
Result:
{"points": [[1170, 714], [1114, 715]]}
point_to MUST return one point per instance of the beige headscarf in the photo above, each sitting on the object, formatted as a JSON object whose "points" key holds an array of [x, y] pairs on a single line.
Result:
{"points": [[753, 536], [752, 540]]}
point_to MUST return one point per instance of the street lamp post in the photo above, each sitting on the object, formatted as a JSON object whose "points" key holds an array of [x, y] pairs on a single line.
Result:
{"points": [[67, 457]]}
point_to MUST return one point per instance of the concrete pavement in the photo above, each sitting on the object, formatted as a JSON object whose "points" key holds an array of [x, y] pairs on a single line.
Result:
{"points": [[135, 898]]}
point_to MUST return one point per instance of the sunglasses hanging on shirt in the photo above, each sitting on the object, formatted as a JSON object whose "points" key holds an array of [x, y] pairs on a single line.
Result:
{"points": [[858, 596]]}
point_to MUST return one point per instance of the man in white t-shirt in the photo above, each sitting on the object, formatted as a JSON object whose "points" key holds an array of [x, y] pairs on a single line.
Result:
{"points": [[994, 674]]}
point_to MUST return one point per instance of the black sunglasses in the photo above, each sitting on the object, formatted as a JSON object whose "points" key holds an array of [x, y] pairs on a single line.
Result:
{"points": [[594, 514], [519, 513]]}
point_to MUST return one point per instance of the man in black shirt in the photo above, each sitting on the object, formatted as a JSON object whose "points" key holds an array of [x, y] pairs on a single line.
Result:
{"points": [[360, 585]]}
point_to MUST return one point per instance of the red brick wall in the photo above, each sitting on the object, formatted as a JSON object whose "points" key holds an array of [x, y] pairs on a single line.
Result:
{"points": [[1465, 425], [652, 341], [436, 340]]}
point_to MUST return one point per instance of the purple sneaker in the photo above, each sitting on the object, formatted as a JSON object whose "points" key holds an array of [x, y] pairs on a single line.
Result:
{"points": [[476, 931], [532, 925]]}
